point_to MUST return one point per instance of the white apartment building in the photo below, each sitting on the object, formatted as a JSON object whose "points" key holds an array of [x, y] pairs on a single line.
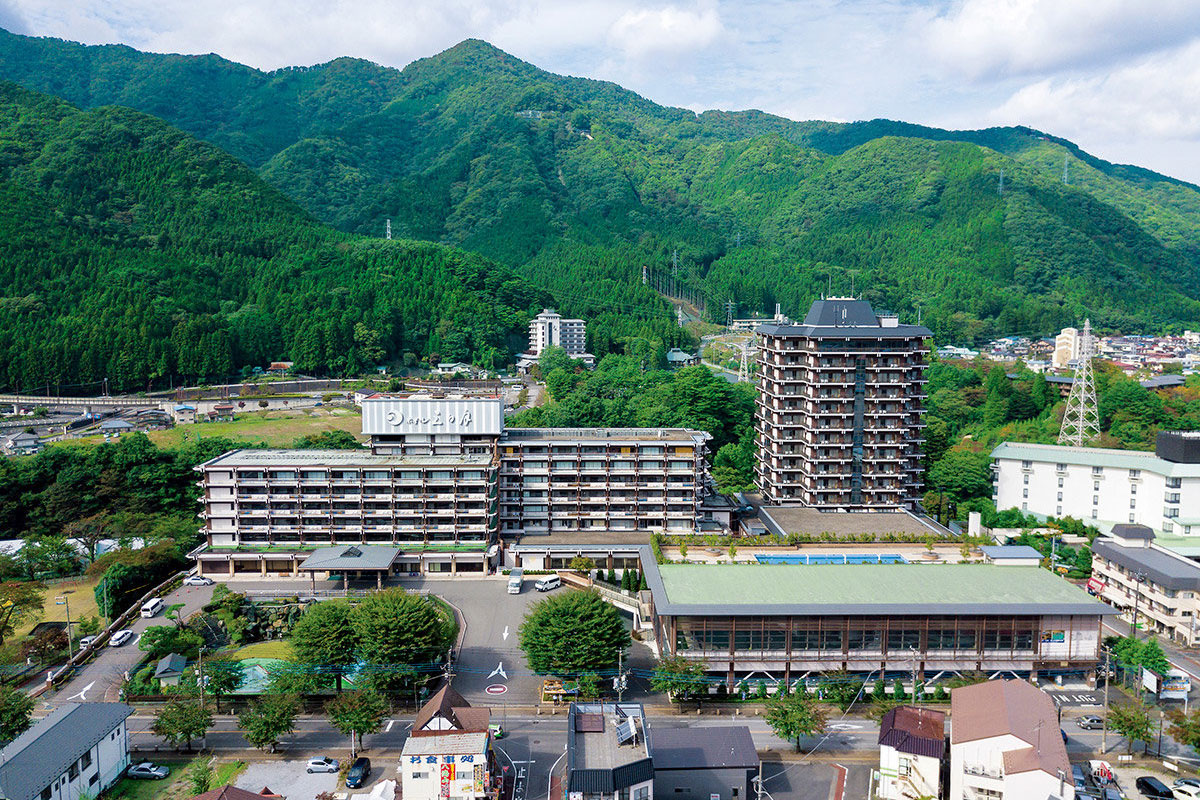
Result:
{"points": [[78, 750], [1005, 744], [1066, 347], [1158, 586], [443, 481], [1104, 487], [912, 744]]}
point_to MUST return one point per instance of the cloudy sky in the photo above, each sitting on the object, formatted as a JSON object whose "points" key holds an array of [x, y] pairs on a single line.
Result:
{"points": [[1119, 77]]}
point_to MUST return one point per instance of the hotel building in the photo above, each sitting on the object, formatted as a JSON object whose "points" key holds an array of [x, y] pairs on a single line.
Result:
{"points": [[444, 480], [839, 414]]}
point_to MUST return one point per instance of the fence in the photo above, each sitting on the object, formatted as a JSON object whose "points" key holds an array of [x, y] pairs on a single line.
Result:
{"points": [[103, 637], [320, 594]]}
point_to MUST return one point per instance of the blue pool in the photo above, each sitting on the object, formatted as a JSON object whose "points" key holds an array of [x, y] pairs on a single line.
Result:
{"points": [[854, 558]]}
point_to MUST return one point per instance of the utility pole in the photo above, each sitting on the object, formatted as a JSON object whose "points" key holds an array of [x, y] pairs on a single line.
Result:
{"points": [[200, 679], [1104, 722], [1137, 596], [620, 676], [61, 600]]}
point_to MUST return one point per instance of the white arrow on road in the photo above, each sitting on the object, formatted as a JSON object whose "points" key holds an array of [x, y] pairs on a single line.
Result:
{"points": [[844, 726], [83, 692], [499, 670], [505, 634]]}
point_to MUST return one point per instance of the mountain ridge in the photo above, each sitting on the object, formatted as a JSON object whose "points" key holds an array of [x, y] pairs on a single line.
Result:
{"points": [[579, 183]]}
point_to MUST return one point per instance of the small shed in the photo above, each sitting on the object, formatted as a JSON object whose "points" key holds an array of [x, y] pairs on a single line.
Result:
{"points": [[170, 669], [1011, 555]]}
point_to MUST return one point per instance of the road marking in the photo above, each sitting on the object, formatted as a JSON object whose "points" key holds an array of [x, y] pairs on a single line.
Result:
{"points": [[388, 729], [844, 726], [505, 634], [499, 670], [82, 695], [496, 688], [839, 788]]}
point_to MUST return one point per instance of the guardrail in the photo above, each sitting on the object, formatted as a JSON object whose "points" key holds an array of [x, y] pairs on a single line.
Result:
{"points": [[104, 635], [319, 594]]}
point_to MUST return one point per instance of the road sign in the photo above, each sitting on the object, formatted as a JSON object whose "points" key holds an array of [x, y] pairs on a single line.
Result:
{"points": [[496, 688]]}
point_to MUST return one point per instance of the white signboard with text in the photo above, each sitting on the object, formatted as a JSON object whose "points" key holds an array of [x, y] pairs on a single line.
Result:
{"points": [[426, 415]]}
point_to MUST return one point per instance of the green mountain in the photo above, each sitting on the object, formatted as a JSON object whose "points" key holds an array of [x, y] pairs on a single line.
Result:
{"points": [[578, 184], [131, 251]]}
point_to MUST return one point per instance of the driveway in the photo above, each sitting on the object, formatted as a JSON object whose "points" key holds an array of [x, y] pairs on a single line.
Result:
{"points": [[101, 678]]}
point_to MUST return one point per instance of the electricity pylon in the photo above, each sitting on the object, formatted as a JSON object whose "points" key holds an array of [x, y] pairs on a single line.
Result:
{"points": [[1081, 420]]}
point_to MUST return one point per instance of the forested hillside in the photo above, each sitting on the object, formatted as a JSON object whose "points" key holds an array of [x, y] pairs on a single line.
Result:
{"points": [[579, 183], [130, 250]]}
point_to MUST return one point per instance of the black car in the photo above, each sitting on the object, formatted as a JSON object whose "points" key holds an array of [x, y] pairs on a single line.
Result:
{"points": [[360, 770], [1153, 787]]}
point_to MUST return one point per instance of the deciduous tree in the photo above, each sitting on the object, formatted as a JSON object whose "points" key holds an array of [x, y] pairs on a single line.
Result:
{"points": [[679, 678], [572, 632], [795, 716], [268, 718], [181, 720], [356, 713]]}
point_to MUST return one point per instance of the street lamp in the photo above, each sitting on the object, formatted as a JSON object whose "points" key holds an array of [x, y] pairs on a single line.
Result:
{"points": [[61, 600], [1139, 579]]}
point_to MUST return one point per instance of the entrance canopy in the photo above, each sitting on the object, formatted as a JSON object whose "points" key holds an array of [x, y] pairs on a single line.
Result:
{"points": [[358, 558]]}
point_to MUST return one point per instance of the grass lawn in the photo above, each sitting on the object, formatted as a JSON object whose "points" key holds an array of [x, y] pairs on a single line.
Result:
{"points": [[80, 599], [274, 428], [176, 786], [278, 648]]}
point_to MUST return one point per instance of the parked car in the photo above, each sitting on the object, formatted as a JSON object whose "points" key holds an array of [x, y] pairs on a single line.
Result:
{"points": [[86, 642], [496, 730], [120, 637], [1079, 778], [322, 764], [148, 771], [360, 770], [1090, 722], [1193, 783], [197, 580], [1154, 788], [1186, 792], [547, 583]]}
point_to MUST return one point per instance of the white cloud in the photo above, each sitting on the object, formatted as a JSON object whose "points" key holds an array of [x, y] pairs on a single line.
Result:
{"points": [[1001, 38], [1136, 107], [668, 30], [1116, 76]]}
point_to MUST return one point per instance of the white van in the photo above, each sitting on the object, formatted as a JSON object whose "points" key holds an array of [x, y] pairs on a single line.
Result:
{"points": [[515, 580], [152, 606], [547, 583]]}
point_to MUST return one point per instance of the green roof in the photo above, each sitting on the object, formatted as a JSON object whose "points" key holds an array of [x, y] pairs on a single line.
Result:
{"points": [[866, 588]]}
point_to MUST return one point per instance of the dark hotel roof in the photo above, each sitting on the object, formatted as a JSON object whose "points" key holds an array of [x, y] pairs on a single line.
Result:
{"points": [[1159, 567], [845, 318]]}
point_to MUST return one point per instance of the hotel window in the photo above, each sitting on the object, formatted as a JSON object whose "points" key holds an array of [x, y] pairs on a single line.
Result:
{"points": [[1135, 473], [1133, 490], [1133, 517], [1060, 497], [1061, 467], [1058, 511], [1133, 502], [1024, 506], [1095, 486], [1024, 493], [1093, 513], [1096, 471], [1167, 527], [1060, 483], [1171, 513], [1026, 465], [1026, 480], [1174, 483], [1095, 499]]}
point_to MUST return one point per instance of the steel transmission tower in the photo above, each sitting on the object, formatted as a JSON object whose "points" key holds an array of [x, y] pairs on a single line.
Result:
{"points": [[744, 367], [1081, 420]]}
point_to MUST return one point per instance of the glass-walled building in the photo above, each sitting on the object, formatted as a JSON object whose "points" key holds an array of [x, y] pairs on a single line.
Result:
{"points": [[784, 622]]}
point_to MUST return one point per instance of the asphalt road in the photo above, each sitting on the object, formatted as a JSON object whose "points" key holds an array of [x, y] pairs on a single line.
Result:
{"points": [[101, 678]]}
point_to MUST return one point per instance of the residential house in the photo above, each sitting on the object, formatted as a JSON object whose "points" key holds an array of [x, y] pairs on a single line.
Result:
{"points": [[1005, 742], [22, 443], [718, 762], [115, 427], [78, 749], [234, 793], [448, 711], [184, 414], [677, 358], [608, 755], [912, 746]]}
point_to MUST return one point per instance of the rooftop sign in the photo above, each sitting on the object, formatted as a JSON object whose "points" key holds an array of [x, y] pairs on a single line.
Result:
{"points": [[421, 414]]}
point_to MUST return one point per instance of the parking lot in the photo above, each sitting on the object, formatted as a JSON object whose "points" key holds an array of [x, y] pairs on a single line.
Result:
{"points": [[288, 778]]}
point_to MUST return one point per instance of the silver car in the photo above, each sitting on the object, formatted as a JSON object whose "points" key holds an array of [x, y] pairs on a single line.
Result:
{"points": [[197, 580], [120, 637], [322, 764], [148, 771]]}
